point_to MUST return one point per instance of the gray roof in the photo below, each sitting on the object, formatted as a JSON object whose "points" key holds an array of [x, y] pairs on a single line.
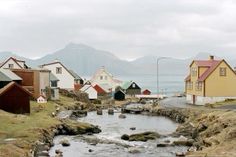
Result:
{"points": [[8, 75], [76, 76], [53, 77]]}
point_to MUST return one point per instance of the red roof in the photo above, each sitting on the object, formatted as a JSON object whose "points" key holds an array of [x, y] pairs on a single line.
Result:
{"points": [[210, 64], [213, 65], [99, 89]]}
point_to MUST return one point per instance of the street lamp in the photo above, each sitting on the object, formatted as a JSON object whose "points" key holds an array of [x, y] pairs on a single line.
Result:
{"points": [[158, 59]]}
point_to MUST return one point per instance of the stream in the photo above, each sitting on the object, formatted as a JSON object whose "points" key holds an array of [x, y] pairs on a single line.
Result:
{"points": [[108, 142]]}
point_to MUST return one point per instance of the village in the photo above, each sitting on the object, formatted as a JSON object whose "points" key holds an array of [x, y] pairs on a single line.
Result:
{"points": [[39, 95]]}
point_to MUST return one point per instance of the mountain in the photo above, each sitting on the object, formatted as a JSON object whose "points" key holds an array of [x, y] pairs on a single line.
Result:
{"points": [[85, 60]]}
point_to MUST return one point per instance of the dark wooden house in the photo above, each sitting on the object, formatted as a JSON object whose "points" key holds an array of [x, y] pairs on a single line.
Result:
{"points": [[131, 88], [119, 95], [15, 99], [7, 76]]}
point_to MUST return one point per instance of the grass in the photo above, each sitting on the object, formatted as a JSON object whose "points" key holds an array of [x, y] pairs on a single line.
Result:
{"points": [[222, 103], [19, 132]]}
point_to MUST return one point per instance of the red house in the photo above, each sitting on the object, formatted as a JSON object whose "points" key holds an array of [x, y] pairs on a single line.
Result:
{"points": [[146, 92], [15, 99], [99, 90]]}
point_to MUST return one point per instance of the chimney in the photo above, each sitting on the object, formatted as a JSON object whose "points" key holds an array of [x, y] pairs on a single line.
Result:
{"points": [[211, 58]]}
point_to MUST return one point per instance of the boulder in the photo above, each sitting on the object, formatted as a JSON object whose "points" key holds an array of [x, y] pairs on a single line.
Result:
{"points": [[122, 116], [133, 128], [58, 151], [134, 150], [162, 145], [188, 142], [65, 143], [125, 137], [99, 112], [110, 111], [144, 136]]}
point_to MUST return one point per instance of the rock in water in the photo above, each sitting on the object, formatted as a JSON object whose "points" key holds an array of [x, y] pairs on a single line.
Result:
{"points": [[65, 143], [122, 116], [110, 111], [125, 137], [132, 128], [99, 112], [134, 150]]}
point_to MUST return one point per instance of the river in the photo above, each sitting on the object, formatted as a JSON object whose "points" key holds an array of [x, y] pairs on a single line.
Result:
{"points": [[113, 128]]}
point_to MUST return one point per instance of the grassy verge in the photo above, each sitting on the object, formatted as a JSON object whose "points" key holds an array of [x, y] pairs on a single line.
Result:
{"points": [[18, 132], [223, 103]]}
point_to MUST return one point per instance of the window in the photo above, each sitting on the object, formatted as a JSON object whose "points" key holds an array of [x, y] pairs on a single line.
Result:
{"points": [[54, 83], [58, 70], [222, 71], [10, 66], [198, 86], [194, 71], [133, 85], [101, 77], [189, 85]]}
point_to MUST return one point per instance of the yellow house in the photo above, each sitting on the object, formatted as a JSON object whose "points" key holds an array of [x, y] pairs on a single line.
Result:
{"points": [[210, 81]]}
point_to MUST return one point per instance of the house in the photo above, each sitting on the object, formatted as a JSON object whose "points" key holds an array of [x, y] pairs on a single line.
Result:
{"points": [[54, 89], [100, 90], [119, 95], [146, 92], [15, 99], [210, 81], [7, 76], [102, 76], [35, 80], [41, 99], [13, 63], [92, 93], [131, 88], [67, 78]]}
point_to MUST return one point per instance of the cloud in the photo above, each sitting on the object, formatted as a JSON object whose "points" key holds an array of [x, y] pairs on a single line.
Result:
{"points": [[128, 28]]}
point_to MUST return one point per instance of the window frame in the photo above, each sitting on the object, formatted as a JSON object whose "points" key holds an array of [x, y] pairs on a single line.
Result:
{"points": [[58, 70], [224, 72]]}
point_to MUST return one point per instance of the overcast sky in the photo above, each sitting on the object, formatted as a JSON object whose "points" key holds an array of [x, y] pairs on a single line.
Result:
{"points": [[127, 28]]}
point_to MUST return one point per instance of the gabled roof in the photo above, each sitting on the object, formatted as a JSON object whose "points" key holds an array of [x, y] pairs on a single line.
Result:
{"points": [[102, 69], [15, 60], [127, 84], [57, 62], [86, 87], [210, 64], [188, 78], [99, 89], [76, 76], [8, 75], [53, 77], [213, 66], [11, 85]]}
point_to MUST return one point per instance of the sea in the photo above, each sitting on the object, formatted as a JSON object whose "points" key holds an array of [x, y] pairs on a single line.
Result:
{"points": [[169, 84]]}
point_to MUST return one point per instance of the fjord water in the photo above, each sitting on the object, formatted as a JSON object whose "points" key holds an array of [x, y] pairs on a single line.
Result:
{"points": [[112, 129]]}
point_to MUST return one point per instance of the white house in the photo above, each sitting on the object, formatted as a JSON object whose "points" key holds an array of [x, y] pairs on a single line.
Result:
{"points": [[92, 93], [104, 78], [41, 99], [67, 79], [13, 63]]}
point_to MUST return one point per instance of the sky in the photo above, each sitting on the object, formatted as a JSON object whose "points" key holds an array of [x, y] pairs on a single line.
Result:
{"points": [[127, 28]]}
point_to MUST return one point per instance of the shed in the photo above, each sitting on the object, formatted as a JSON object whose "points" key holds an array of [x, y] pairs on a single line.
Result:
{"points": [[92, 93], [6, 76], [119, 95], [99, 90], [15, 99], [146, 92]]}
